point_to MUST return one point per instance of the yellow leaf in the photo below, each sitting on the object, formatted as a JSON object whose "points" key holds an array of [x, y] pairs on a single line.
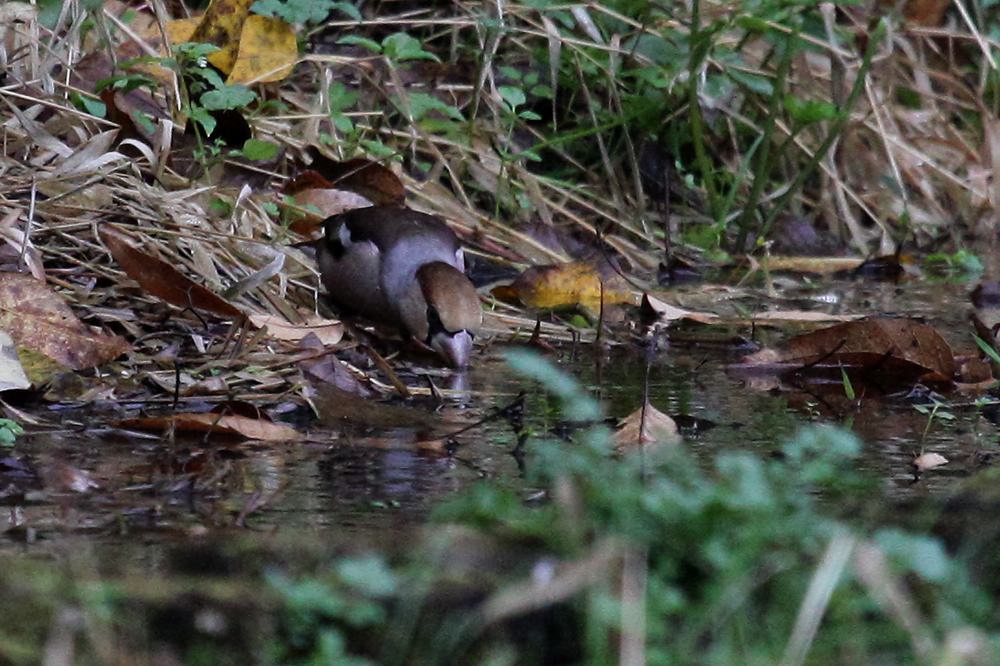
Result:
{"points": [[181, 30], [267, 51], [567, 285], [222, 25]]}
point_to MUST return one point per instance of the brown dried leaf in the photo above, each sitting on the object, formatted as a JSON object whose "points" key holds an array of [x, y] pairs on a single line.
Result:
{"points": [[928, 13], [897, 347], [163, 280], [371, 180], [227, 424], [649, 426], [666, 312], [328, 331], [38, 319], [817, 265], [802, 316], [315, 205]]}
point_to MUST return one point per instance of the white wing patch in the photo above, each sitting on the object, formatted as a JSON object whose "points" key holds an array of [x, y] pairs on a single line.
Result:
{"points": [[460, 259], [344, 234]]}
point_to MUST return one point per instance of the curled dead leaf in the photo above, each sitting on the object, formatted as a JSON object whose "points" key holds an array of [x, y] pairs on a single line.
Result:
{"points": [[315, 205]]}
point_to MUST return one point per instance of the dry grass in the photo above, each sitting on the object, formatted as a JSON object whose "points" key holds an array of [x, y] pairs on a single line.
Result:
{"points": [[897, 172]]}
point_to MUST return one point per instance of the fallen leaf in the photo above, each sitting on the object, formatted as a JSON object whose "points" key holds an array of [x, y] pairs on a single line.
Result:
{"points": [[221, 25], [802, 316], [899, 348], [162, 280], [566, 285], [315, 205], [646, 426], [61, 477], [372, 180], [227, 424], [329, 331], [816, 265], [267, 51], [929, 461], [37, 318], [179, 30], [929, 13], [666, 312], [12, 375]]}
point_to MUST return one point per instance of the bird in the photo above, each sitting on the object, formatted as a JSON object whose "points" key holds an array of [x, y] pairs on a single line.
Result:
{"points": [[398, 266]]}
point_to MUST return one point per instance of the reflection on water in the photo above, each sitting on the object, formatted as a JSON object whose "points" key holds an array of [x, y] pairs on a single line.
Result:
{"points": [[351, 480]]}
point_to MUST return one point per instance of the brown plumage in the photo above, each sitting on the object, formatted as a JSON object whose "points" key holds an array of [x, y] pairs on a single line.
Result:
{"points": [[398, 266]]}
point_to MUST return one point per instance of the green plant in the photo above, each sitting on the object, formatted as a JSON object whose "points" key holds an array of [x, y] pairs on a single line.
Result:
{"points": [[304, 11], [10, 430], [352, 594], [736, 557], [962, 263]]}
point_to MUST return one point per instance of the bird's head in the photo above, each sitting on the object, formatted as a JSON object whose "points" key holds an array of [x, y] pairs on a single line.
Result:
{"points": [[447, 316]]}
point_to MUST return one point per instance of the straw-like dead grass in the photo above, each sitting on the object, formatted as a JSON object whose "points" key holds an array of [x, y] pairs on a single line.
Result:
{"points": [[914, 172]]}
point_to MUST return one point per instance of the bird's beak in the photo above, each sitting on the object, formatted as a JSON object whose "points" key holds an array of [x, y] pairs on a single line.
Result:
{"points": [[454, 348]]}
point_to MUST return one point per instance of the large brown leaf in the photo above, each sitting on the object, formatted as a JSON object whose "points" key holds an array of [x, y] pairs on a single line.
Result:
{"points": [[372, 180], [38, 319], [897, 348], [225, 424], [163, 280]]}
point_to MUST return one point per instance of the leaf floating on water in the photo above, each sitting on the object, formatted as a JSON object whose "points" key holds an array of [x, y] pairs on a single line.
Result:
{"points": [[227, 424], [901, 349], [647, 426], [929, 461], [38, 319], [164, 281]]}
